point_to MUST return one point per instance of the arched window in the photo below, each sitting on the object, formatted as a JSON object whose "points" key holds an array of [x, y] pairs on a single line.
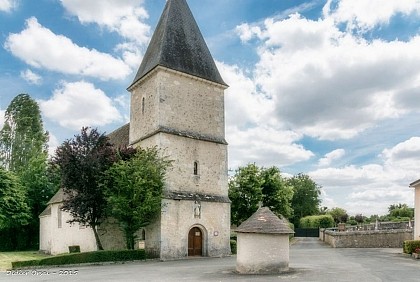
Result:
{"points": [[195, 168]]}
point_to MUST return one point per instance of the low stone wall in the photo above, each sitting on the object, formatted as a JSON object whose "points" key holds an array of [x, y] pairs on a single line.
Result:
{"points": [[366, 239]]}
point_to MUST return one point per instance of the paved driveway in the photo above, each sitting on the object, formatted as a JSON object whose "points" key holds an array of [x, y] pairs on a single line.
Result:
{"points": [[310, 260]]}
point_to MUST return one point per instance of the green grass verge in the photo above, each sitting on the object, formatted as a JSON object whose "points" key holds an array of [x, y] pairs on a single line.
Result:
{"points": [[78, 258], [6, 258]]}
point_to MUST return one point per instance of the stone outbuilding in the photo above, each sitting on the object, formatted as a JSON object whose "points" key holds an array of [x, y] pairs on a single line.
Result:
{"points": [[263, 243], [416, 186]]}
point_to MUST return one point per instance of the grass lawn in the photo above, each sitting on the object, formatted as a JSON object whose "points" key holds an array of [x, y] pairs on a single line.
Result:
{"points": [[7, 258]]}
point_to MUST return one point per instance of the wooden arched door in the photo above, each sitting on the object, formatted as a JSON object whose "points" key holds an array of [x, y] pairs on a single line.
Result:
{"points": [[195, 242]]}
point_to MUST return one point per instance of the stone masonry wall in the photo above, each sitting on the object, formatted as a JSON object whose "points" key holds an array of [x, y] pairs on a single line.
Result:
{"points": [[211, 157], [178, 218], [366, 239], [177, 102]]}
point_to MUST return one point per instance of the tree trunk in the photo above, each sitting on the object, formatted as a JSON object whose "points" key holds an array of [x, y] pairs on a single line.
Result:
{"points": [[98, 240], [129, 237]]}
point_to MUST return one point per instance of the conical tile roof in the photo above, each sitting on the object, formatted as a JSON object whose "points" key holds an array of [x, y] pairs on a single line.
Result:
{"points": [[178, 44], [266, 222]]}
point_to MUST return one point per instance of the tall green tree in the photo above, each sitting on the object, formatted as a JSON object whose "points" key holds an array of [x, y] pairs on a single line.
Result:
{"points": [[252, 186], [245, 192], [82, 162], [277, 193], [23, 150], [40, 180], [306, 197], [134, 190], [14, 210], [22, 136]]}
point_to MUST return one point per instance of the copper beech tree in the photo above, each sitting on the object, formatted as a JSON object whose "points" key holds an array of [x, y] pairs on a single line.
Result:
{"points": [[82, 162]]}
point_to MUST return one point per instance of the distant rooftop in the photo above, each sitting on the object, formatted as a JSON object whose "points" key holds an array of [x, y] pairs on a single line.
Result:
{"points": [[120, 136], [178, 44]]}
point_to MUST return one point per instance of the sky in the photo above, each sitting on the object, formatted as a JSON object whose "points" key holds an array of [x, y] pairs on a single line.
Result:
{"points": [[328, 88]]}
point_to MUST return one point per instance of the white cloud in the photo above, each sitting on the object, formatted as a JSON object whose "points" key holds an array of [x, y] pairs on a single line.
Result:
{"points": [[79, 104], [331, 156], [41, 48], [7, 5], [131, 54], [316, 79], [126, 17], [246, 32], [266, 146], [52, 144], [31, 77], [123, 102], [252, 134], [318, 76], [370, 189], [359, 13], [404, 157]]}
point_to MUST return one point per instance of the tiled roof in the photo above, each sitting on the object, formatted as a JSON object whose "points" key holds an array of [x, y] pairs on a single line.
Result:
{"points": [[178, 44], [415, 183], [58, 197], [120, 136], [266, 222], [46, 212]]}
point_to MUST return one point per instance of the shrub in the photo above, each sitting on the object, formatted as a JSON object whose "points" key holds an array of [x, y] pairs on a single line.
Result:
{"points": [[410, 246], [233, 246], [352, 222], [88, 257], [400, 219], [317, 221], [326, 221]]}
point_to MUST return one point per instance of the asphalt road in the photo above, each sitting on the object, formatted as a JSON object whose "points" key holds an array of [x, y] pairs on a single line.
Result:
{"points": [[310, 260]]}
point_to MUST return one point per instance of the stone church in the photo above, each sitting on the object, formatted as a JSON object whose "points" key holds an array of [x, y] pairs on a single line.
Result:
{"points": [[177, 104]]}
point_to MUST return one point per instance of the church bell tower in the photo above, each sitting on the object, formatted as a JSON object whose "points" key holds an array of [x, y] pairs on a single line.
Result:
{"points": [[177, 104]]}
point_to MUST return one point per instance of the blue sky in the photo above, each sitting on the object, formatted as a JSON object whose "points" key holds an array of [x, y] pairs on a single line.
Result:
{"points": [[329, 88]]}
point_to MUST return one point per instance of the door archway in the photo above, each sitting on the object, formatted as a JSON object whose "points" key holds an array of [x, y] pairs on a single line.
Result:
{"points": [[195, 242]]}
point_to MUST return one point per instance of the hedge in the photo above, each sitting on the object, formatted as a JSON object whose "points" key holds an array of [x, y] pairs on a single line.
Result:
{"points": [[88, 257], [410, 246], [316, 221], [233, 246]]}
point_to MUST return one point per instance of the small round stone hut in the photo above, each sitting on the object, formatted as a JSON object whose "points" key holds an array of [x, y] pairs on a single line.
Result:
{"points": [[263, 244]]}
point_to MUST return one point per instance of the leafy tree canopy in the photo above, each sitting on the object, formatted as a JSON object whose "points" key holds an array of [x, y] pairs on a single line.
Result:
{"points": [[22, 136], [306, 197], [14, 210], [252, 186], [82, 162], [400, 210], [134, 190], [245, 192], [277, 193], [340, 215]]}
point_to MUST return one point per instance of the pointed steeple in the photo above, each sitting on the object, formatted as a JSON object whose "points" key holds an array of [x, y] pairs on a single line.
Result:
{"points": [[178, 44]]}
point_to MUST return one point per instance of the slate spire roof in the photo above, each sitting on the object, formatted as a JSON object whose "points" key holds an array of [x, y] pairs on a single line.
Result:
{"points": [[178, 44], [266, 222]]}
